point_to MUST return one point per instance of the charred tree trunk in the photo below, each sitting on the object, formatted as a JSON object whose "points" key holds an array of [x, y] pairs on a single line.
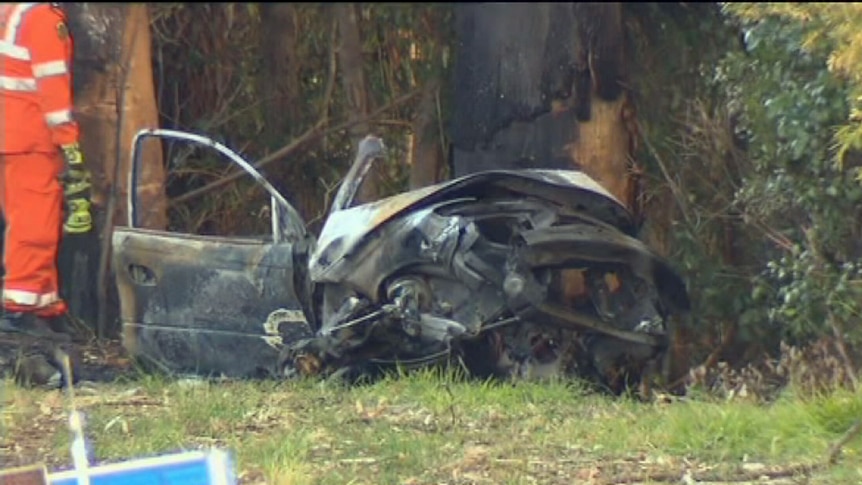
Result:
{"points": [[114, 98], [542, 85], [606, 138], [354, 84]]}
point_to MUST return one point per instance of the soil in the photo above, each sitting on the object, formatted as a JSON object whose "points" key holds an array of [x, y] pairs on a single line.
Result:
{"points": [[100, 360]]}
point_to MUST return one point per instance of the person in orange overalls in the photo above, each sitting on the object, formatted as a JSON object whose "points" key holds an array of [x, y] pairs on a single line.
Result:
{"points": [[40, 161]]}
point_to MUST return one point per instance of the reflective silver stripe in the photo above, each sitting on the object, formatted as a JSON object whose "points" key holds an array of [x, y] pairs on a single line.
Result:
{"points": [[13, 51], [17, 83], [15, 19], [46, 299], [31, 298], [59, 117], [21, 297], [51, 68]]}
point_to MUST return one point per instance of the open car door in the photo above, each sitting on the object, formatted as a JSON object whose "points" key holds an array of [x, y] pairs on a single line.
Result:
{"points": [[210, 305]]}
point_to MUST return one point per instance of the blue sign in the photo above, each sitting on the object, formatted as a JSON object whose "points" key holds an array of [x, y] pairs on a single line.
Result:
{"points": [[189, 468]]}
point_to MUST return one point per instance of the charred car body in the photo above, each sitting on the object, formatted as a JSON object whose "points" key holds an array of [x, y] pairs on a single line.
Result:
{"points": [[528, 273]]}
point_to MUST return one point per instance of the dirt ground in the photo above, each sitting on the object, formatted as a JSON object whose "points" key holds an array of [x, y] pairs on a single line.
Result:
{"points": [[101, 360]]}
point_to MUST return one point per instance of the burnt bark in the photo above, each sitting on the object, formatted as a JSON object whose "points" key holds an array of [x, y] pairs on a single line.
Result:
{"points": [[512, 61], [605, 143], [354, 84], [279, 79], [542, 85]]}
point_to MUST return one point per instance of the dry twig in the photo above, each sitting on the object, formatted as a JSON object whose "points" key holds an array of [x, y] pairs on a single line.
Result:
{"points": [[835, 449], [314, 133]]}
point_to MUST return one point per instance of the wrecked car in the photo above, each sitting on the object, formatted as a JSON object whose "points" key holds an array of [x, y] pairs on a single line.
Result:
{"points": [[514, 274]]}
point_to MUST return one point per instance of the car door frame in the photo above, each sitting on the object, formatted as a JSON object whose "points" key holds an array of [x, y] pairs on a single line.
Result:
{"points": [[286, 224]]}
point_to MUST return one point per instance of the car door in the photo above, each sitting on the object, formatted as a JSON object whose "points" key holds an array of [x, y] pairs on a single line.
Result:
{"points": [[210, 305]]}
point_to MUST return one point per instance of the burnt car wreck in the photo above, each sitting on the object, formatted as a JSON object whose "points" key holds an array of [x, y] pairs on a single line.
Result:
{"points": [[514, 274]]}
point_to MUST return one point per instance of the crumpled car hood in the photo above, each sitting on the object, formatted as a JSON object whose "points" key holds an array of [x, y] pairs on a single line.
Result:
{"points": [[345, 229]]}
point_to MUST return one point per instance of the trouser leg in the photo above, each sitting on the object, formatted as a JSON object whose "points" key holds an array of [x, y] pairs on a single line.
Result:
{"points": [[32, 204]]}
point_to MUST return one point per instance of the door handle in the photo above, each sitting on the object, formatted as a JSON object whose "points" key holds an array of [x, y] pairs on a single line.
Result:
{"points": [[141, 275]]}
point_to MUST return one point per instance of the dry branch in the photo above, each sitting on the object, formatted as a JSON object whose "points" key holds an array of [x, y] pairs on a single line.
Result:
{"points": [[314, 133], [835, 449], [675, 189]]}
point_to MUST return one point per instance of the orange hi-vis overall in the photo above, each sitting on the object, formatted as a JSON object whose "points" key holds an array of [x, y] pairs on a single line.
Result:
{"points": [[35, 121]]}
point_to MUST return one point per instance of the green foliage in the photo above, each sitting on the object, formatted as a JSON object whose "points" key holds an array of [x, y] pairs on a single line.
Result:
{"points": [[789, 104], [740, 148], [832, 30], [692, 162]]}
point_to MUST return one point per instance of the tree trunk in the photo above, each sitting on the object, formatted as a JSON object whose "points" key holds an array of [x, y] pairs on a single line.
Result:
{"points": [[605, 144], [112, 47], [427, 158], [110, 38], [279, 80], [541, 85], [355, 86]]}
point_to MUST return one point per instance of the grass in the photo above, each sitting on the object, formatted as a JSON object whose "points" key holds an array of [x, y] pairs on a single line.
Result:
{"points": [[428, 427]]}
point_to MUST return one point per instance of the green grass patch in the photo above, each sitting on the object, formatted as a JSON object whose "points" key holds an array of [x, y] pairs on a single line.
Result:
{"points": [[429, 427]]}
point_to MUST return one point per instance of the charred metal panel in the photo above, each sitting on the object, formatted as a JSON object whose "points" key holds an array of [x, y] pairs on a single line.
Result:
{"points": [[345, 229], [205, 305]]}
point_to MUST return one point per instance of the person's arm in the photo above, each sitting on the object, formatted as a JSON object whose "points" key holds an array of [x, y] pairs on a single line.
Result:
{"points": [[47, 36]]}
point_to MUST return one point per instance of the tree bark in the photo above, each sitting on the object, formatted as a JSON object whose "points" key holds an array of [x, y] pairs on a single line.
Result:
{"points": [[542, 85], [114, 98], [279, 80], [427, 151], [605, 143], [109, 39], [354, 85]]}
